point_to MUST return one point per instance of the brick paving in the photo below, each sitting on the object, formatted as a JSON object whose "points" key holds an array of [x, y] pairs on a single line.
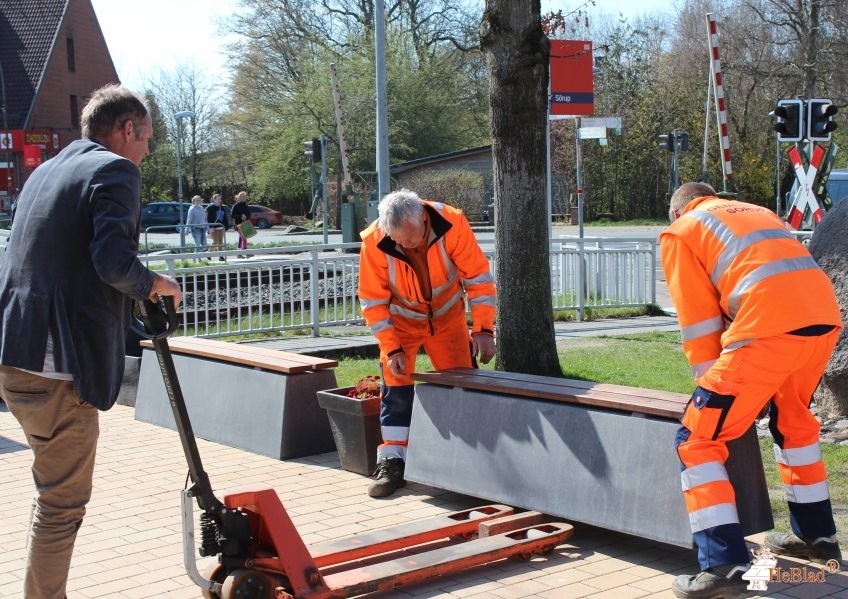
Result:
{"points": [[130, 545]]}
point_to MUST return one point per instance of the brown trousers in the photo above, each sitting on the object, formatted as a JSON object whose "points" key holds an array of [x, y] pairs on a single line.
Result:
{"points": [[62, 431]]}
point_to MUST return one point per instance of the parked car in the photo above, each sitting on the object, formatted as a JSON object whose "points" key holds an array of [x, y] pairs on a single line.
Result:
{"points": [[163, 214], [837, 190], [837, 185], [263, 217]]}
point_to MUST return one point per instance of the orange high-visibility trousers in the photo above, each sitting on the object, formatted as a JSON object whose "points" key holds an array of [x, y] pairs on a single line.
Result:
{"points": [[450, 347], [785, 369]]}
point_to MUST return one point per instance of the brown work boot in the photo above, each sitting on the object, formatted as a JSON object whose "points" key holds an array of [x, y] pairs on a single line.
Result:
{"points": [[791, 545], [389, 475], [723, 582]]}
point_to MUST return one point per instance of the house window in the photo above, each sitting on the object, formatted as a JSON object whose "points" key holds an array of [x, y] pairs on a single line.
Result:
{"points": [[72, 62], [74, 113]]}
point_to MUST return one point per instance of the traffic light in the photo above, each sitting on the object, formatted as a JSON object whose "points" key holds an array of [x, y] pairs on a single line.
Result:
{"points": [[790, 120], [313, 149], [820, 119], [666, 142]]}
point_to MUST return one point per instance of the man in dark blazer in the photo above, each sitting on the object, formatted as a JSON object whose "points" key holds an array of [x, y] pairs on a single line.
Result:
{"points": [[67, 283]]}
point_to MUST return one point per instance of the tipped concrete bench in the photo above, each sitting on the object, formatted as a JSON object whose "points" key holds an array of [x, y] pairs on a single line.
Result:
{"points": [[242, 395], [588, 452]]}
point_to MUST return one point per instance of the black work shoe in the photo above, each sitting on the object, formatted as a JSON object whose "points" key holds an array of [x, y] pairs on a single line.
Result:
{"points": [[791, 545], [724, 582], [389, 475]]}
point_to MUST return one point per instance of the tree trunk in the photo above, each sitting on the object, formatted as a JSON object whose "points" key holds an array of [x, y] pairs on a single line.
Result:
{"points": [[517, 55]]}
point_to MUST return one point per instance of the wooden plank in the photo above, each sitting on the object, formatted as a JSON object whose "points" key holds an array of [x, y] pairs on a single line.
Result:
{"points": [[247, 355], [255, 350], [458, 374], [615, 397]]}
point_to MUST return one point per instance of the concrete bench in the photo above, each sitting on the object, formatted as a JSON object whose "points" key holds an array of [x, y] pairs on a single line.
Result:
{"points": [[588, 452], [242, 395]]}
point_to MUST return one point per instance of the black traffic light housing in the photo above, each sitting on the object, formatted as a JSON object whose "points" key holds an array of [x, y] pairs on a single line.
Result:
{"points": [[820, 119], [790, 120], [313, 149], [676, 140]]}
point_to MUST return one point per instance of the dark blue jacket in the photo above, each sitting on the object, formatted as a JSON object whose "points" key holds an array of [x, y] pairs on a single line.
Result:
{"points": [[71, 269], [212, 215]]}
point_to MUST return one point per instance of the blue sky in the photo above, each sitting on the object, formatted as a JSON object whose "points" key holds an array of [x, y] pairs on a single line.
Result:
{"points": [[158, 35]]}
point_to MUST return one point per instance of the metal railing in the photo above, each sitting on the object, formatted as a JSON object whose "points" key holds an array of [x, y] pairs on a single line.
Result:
{"points": [[270, 291], [612, 272], [313, 286]]}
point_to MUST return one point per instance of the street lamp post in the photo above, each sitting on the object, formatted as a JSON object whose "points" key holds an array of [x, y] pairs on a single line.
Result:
{"points": [[178, 117]]}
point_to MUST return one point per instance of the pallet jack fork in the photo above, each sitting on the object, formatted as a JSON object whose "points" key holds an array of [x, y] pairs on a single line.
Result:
{"points": [[262, 556]]}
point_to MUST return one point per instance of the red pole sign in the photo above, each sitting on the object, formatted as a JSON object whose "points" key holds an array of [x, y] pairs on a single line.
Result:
{"points": [[32, 156], [572, 85]]}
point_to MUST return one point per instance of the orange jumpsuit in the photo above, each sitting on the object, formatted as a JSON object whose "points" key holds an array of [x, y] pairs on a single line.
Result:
{"points": [[759, 321], [405, 315]]}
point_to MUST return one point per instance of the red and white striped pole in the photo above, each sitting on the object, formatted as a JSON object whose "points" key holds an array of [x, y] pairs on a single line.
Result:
{"points": [[721, 109]]}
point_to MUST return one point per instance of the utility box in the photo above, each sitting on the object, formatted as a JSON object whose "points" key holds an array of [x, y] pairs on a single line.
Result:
{"points": [[372, 212], [350, 230]]}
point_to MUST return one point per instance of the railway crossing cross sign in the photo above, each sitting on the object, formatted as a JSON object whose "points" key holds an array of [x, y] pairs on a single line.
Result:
{"points": [[805, 197]]}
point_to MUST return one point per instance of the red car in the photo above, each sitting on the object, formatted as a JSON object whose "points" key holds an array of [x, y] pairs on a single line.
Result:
{"points": [[263, 217]]}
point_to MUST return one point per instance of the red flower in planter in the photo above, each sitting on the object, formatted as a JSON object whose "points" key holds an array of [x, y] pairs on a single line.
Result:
{"points": [[368, 387]]}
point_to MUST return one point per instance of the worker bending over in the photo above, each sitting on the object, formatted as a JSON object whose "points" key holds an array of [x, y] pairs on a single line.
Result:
{"points": [[759, 321], [419, 263]]}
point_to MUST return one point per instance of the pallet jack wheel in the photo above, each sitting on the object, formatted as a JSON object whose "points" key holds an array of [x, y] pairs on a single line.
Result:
{"points": [[250, 584], [214, 572]]}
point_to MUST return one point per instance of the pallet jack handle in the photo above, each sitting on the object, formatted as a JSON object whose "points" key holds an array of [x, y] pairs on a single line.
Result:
{"points": [[225, 530], [159, 321]]}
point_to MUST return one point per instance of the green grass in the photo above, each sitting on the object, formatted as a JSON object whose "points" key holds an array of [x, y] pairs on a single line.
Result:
{"points": [[649, 360], [836, 461], [652, 361]]}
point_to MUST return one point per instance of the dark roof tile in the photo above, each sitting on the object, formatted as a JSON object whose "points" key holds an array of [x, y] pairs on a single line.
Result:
{"points": [[28, 31]]}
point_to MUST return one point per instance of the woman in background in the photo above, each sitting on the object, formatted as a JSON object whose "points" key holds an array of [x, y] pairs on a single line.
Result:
{"points": [[196, 223], [240, 214]]}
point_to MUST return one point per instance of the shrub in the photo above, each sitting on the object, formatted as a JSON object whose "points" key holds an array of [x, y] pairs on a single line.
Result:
{"points": [[466, 190]]}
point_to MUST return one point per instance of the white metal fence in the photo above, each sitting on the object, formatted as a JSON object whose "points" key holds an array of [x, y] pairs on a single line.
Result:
{"points": [[313, 286]]}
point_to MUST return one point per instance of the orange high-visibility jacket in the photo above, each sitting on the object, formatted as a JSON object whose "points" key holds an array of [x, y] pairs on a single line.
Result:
{"points": [[736, 274], [390, 293]]}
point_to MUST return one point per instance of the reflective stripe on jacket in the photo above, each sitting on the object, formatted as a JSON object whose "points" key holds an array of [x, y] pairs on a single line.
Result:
{"points": [[736, 274], [389, 290]]}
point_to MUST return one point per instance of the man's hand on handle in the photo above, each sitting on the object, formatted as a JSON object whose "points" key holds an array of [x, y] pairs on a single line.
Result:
{"points": [[165, 285]]}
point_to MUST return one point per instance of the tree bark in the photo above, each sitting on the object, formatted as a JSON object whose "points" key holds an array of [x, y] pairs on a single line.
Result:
{"points": [[517, 56]]}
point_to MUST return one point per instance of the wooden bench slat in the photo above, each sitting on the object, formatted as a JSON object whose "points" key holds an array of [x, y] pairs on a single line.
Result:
{"points": [[520, 378], [616, 397], [248, 355], [255, 350]]}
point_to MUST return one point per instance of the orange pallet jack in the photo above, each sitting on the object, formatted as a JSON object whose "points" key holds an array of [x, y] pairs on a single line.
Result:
{"points": [[262, 556]]}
